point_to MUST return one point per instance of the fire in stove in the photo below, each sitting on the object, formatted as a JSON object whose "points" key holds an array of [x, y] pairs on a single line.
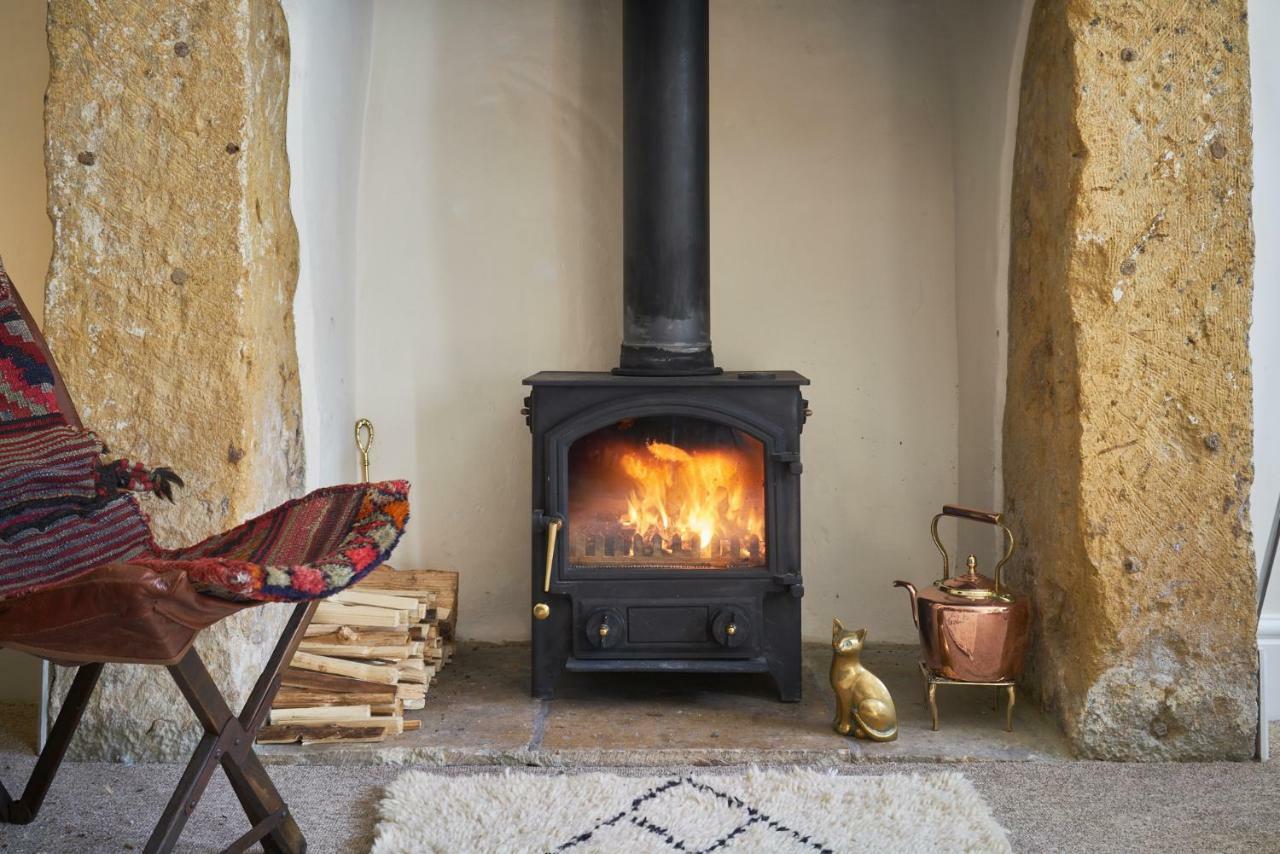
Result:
{"points": [[667, 493]]}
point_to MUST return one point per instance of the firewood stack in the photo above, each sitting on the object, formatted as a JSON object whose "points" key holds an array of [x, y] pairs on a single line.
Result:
{"points": [[370, 653]]}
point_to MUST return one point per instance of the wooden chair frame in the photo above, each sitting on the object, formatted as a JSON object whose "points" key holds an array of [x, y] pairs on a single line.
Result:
{"points": [[227, 741]]}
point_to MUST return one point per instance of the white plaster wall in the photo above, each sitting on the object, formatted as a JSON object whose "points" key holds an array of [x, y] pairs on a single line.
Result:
{"points": [[490, 247], [26, 235], [832, 253], [986, 40], [1264, 342], [328, 82]]}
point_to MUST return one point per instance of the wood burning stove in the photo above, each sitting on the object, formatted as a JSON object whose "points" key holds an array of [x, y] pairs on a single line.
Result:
{"points": [[666, 493]]}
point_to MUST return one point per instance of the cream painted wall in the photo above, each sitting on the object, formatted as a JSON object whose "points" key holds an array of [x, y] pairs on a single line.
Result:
{"points": [[490, 247], [986, 40], [328, 81], [26, 235], [832, 253]]}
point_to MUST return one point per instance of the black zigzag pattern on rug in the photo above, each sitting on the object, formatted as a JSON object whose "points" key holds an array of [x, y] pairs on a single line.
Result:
{"points": [[754, 817]]}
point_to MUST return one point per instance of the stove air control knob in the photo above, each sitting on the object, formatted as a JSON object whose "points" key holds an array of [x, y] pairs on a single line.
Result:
{"points": [[731, 627], [605, 628]]}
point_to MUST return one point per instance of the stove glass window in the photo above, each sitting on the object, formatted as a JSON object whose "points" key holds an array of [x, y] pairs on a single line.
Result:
{"points": [[667, 492]]}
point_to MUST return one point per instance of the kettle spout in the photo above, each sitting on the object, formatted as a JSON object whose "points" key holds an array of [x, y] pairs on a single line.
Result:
{"points": [[911, 588]]}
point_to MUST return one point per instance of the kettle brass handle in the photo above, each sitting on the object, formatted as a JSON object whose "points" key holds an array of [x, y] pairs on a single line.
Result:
{"points": [[989, 518], [971, 514], [553, 528]]}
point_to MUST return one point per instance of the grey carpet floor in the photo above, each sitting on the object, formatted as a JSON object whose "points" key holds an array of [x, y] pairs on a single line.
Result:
{"points": [[1047, 806]]}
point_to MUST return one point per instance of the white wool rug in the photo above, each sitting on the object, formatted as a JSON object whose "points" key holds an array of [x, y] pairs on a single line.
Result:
{"points": [[780, 811]]}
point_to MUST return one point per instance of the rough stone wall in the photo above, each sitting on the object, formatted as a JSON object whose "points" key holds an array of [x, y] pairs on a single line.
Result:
{"points": [[169, 301], [1128, 437]]}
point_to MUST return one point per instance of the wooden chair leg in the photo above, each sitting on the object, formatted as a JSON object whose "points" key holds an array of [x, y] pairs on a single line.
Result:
{"points": [[228, 741], [25, 809]]}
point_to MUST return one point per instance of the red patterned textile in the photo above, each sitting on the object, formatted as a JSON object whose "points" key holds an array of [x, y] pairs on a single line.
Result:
{"points": [[46, 465], [26, 381], [307, 548], [72, 545], [65, 512], [55, 523]]}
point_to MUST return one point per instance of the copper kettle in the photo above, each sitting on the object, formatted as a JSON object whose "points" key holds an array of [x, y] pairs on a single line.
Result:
{"points": [[972, 628]]}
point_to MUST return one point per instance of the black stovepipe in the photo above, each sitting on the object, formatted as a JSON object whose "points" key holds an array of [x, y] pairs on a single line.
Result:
{"points": [[666, 199]]}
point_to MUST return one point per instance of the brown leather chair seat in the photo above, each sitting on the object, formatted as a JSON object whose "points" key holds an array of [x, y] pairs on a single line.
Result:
{"points": [[120, 613]]}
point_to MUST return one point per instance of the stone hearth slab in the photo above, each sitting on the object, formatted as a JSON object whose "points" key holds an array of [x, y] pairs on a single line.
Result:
{"points": [[480, 713]]}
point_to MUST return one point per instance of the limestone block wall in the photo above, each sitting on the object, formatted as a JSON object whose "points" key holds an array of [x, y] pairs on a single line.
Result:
{"points": [[1128, 437], [169, 300]]}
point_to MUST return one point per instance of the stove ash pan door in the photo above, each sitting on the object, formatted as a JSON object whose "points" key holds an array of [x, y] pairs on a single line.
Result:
{"points": [[710, 628]]}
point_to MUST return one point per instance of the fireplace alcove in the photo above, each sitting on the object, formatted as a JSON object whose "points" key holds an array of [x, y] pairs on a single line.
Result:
{"points": [[894, 281]]}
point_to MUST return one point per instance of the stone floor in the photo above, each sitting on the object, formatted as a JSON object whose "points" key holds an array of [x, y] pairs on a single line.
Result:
{"points": [[1045, 805], [480, 713]]}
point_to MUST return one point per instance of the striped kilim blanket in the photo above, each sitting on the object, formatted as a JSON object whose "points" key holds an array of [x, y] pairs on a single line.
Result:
{"points": [[27, 399], [65, 509]]}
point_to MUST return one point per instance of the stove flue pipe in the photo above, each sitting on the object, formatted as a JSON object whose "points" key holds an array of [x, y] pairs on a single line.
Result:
{"points": [[666, 327]]}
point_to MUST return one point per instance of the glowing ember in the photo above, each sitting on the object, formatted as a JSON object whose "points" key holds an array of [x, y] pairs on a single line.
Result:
{"points": [[657, 503]]}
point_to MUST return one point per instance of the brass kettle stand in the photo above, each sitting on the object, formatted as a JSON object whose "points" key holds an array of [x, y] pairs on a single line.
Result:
{"points": [[933, 679]]}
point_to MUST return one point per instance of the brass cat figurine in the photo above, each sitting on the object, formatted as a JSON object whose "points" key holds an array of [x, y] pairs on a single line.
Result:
{"points": [[863, 704]]}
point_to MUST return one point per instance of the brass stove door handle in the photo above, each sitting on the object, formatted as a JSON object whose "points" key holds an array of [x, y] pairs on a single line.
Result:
{"points": [[553, 529]]}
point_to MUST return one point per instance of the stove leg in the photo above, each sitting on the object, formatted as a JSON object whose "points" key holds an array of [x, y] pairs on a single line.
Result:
{"points": [[544, 688], [782, 628], [785, 670], [546, 671]]}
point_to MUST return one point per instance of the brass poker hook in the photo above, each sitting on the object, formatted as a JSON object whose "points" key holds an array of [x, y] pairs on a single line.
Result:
{"points": [[364, 441]]}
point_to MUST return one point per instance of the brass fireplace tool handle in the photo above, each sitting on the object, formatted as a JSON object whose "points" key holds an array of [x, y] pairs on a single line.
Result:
{"points": [[553, 528], [364, 441]]}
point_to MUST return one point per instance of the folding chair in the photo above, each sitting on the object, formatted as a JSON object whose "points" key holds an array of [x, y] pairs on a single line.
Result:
{"points": [[82, 582]]}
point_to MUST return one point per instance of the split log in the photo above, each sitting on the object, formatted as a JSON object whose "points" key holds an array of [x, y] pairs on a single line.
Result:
{"points": [[298, 698], [390, 725], [321, 714], [414, 671], [410, 691], [386, 674], [357, 636], [360, 596], [319, 734], [310, 680], [350, 650], [337, 614], [422, 597]]}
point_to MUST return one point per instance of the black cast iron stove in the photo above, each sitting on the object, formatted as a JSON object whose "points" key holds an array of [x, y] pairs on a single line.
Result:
{"points": [[666, 493]]}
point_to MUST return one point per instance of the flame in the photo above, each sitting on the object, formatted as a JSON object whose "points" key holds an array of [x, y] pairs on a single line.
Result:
{"points": [[702, 503]]}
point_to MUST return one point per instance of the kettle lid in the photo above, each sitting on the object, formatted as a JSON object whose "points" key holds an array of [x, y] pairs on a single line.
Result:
{"points": [[971, 585]]}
